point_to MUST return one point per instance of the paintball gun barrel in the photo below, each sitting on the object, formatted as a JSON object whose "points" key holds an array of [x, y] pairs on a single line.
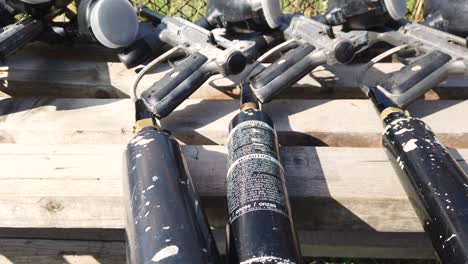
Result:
{"points": [[260, 227], [165, 219]]}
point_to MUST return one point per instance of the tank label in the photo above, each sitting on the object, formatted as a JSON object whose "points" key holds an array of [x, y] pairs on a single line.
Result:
{"points": [[255, 177]]}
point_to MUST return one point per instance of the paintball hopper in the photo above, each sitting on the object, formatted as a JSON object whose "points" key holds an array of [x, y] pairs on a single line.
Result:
{"points": [[34, 8], [451, 16], [244, 14], [364, 14], [114, 23]]}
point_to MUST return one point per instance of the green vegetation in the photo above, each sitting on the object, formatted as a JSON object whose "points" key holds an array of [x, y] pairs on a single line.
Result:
{"points": [[194, 9]]}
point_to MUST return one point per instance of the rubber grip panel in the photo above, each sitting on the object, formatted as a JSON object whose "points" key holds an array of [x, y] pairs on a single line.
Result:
{"points": [[283, 64], [176, 86], [415, 79], [289, 69], [413, 73]]}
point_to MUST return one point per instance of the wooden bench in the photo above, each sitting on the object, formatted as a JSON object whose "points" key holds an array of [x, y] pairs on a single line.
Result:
{"points": [[64, 130]]}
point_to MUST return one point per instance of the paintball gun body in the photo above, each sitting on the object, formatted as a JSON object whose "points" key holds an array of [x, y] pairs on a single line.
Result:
{"points": [[430, 56], [14, 36], [314, 44], [94, 20], [205, 53]]}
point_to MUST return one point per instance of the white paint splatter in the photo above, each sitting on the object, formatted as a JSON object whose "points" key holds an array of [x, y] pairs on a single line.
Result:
{"points": [[147, 203], [448, 239], [155, 178], [147, 213], [150, 187], [147, 229], [269, 259], [410, 145], [404, 130], [144, 142], [138, 155], [136, 139], [165, 253], [398, 120], [166, 227]]}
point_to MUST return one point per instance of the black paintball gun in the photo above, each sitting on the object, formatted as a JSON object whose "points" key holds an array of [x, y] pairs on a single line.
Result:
{"points": [[91, 20], [165, 219], [430, 55], [435, 183], [204, 55], [310, 43], [260, 227]]}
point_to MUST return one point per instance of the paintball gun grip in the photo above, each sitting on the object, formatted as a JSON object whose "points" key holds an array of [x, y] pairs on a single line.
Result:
{"points": [[415, 79], [289, 69], [176, 86], [18, 35]]}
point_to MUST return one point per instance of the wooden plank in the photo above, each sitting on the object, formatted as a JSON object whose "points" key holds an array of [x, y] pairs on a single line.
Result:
{"points": [[313, 244], [60, 188], [47, 77], [351, 123], [68, 51]]}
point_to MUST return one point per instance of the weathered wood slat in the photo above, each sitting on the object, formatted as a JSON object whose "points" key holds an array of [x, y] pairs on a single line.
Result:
{"points": [[79, 186], [316, 244], [47, 77], [205, 122]]}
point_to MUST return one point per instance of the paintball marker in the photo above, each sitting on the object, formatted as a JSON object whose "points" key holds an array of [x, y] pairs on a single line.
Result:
{"points": [[94, 20], [430, 55], [205, 53], [445, 15], [165, 219], [435, 183], [313, 43], [260, 227]]}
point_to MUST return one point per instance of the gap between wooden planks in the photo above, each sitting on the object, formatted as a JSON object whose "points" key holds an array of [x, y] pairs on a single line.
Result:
{"points": [[315, 243], [45, 77], [343, 123]]}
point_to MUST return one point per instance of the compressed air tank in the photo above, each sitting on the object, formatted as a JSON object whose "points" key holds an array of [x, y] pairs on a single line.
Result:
{"points": [[165, 220]]}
